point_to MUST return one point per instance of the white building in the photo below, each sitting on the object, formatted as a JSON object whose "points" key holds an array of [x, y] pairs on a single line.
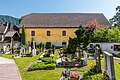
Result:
{"points": [[109, 47]]}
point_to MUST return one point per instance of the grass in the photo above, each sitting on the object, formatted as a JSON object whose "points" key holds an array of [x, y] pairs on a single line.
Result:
{"points": [[6, 55], [23, 64]]}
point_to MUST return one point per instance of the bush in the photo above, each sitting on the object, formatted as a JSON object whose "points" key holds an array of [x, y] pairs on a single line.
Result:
{"points": [[48, 60], [48, 45], [91, 74], [41, 66], [47, 55]]}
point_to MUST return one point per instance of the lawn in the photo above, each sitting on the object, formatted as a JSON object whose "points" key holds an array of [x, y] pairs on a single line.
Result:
{"points": [[6, 55], [23, 63]]}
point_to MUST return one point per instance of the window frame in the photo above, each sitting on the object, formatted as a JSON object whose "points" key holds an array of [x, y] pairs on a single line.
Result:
{"points": [[64, 34], [32, 33], [49, 33]]}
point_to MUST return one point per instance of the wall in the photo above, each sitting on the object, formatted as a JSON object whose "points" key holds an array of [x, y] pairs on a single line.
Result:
{"points": [[56, 34], [109, 47]]}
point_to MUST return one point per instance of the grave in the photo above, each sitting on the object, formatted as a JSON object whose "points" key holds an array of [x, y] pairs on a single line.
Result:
{"points": [[109, 65], [33, 50], [85, 58], [98, 60]]}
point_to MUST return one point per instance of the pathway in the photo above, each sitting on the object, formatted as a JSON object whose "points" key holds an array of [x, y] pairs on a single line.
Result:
{"points": [[8, 69]]}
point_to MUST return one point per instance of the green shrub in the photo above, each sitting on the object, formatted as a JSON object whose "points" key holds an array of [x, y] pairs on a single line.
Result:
{"points": [[90, 51], [91, 74], [48, 60], [96, 77], [48, 45], [41, 66], [47, 55]]}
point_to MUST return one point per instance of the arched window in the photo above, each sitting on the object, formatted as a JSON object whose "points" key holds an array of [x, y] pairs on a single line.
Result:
{"points": [[32, 33]]}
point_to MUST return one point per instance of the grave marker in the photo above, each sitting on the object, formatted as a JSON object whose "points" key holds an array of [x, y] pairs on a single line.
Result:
{"points": [[109, 65], [85, 58]]}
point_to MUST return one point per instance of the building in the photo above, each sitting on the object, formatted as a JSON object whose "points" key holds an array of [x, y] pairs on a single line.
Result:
{"points": [[9, 37], [109, 47], [56, 28]]}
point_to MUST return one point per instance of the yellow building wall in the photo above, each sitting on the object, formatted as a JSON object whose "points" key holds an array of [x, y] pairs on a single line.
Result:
{"points": [[56, 34]]}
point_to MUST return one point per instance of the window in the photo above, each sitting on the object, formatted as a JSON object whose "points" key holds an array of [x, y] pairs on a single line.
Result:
{"points": [[48, 33], [32, 33], [91, 46], [63, 33], [63, 43], [116, 47]]}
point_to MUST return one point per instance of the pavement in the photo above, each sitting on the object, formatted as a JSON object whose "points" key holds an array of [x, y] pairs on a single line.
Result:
{"points": [[9, 70]]}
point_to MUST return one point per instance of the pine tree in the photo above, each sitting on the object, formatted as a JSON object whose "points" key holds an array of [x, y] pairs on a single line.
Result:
{"points": [[23, 40]]}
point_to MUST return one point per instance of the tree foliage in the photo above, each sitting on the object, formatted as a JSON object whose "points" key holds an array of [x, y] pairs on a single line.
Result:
{"points": [[106, 34], [115, 21], [23, 39], [48, 45], [92, 25], [81, 37]]}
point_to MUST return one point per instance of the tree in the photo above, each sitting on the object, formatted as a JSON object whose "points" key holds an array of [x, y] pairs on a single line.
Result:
{"points": [[92, 25], [72, 44], [20, 19], [48, 45], [23, 39], [81, 37], [115, 21], [106, 34], [80, 33]]}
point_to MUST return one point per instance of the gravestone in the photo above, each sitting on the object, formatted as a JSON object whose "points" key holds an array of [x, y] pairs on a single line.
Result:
{"points": [[98, 60], [85, 58], [109, 65], [30, 49], [33, 50], [21, 52], [78, 52]]}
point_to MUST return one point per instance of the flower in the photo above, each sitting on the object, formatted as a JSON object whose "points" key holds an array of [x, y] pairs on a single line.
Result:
{"points": [[74, 75]]}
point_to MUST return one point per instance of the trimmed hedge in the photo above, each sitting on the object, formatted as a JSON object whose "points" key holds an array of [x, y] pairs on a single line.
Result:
{"points": [[41, 66]]}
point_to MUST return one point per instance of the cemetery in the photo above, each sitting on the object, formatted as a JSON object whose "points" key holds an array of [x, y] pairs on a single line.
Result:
{"points": [[76, 63], [88, 55]]}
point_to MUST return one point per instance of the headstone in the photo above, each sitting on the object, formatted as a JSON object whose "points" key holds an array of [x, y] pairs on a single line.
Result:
{"points": [[33, 50], [109, 65], [98, 60], [85, 58], [78, 52], [30, 50]]}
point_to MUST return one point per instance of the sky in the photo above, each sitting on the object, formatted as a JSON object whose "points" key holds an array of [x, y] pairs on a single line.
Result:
{"points": [[19, 8]]}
